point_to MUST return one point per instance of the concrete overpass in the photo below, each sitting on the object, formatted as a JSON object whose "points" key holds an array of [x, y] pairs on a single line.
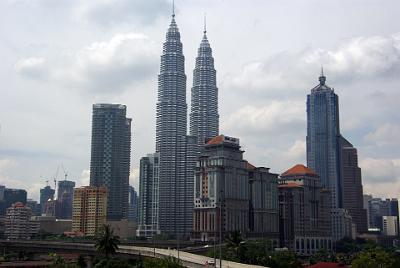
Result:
{"points": [[188, 259]]}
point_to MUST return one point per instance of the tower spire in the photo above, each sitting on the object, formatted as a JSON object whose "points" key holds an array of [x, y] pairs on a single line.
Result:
{"points": [[322, 78], [173, 8], [205, 23]]}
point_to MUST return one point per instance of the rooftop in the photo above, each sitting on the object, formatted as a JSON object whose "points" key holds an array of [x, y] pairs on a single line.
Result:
{"points": [[223, 139], [299, 170]]}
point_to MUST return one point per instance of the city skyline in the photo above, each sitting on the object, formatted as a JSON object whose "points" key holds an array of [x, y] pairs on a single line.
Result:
{"points": [[262, 91]]}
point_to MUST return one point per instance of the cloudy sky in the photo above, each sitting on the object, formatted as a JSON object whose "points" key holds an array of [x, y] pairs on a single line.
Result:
{"points": [[60, 57]]}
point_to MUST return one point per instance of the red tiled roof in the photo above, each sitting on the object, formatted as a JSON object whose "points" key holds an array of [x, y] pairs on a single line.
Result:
{"points": [[299, 169], [216, 140], [18, 205], [250, 166], [328, 265], [289, 185]]}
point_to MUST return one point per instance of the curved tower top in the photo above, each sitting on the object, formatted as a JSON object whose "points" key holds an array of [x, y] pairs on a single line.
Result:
{"points": [[204, 117]]}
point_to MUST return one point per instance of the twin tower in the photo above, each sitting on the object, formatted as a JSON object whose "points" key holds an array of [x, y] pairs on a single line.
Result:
{"points": [[167, 177]]}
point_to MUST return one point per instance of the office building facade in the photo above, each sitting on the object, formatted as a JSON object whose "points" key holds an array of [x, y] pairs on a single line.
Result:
{"points": [[263, 206], [46, 194], [11, 196], [133, 204], [323, 138], [65, 196], [110, 156], [221, 202], [148, 196], [352, 186]]}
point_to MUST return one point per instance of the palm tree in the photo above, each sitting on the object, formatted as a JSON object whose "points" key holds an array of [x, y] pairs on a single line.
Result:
{"points": [[106, 241]]}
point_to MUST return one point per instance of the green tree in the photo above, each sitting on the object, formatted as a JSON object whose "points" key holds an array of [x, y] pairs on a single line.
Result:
{"points": [[81, 263], [169, 262], [58, 261], [106, 241], [375, 258], [234, 241]]}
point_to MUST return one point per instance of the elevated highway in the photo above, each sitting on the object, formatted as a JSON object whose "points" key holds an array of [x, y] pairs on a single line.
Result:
{"points": [[188, 259]]}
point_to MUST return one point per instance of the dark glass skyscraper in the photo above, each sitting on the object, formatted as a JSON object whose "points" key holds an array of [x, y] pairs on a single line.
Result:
{"points": [[110, 156], [148, 196], [46, 193], [204, 118], [352, 186], [65, 196], [323, 138], [174, 187]]}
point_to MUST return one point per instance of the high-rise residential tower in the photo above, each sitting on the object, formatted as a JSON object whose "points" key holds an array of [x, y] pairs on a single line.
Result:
{"points": [[204, 118], [175, 188], [89, 209], [323, 138], [110, 156]]}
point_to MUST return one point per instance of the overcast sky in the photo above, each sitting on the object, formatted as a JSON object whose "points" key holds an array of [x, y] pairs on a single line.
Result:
{"points": [[57, 58]]}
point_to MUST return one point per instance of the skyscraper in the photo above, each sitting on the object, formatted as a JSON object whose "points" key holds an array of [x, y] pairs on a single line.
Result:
{"points": [[110, 156], [323, 138], [171, 140], [204, 118], [352, 186], [148, 196], [65, 196]]}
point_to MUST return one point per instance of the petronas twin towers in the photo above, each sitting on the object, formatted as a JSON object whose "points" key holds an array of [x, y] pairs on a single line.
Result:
{"points": [[176, 152]]}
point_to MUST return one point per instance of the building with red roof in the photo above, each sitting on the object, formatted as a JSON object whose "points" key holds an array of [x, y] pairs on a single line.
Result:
{"points": [[304, 209]]}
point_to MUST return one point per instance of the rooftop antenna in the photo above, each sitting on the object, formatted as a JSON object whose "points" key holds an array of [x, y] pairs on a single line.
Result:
{"points": [[173, 8], [322, 70]]}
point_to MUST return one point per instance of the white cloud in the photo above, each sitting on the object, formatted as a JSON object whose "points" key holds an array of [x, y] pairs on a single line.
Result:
{"points": [[85, 178], [386, 134], [380, 170], [111, 12], [33, 67], [289, 72], [112, 66], [273, 118], [296, 153], [134, 178]]}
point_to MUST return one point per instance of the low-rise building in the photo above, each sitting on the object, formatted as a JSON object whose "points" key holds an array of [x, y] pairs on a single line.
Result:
{"points": [[389, 224], [51, 225], [342, 224], [89, 209], [124, 228]]}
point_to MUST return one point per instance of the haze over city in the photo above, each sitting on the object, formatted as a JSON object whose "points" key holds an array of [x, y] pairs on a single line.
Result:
{"points": [[58, 58]]}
